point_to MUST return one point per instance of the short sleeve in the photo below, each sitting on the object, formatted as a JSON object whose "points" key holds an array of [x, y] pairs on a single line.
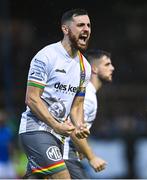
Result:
{"points": [[38, 71], [88, 73]]}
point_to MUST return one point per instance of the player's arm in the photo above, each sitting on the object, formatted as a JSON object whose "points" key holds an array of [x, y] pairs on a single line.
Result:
{"points": [[83, 147], [77, 117], [39, 108], [77, 110]]}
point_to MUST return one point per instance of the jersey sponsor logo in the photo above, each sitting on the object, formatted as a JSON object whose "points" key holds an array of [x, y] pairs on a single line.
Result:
{"points": [[60, 70], [54, 153], [65, 88]]}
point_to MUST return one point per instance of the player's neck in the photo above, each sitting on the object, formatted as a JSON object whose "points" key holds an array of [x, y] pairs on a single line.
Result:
{"points": [[96, 82], [70, 50]]}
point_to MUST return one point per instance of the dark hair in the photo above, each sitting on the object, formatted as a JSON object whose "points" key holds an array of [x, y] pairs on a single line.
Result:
{"points": [[93, 54], [68, 15]]}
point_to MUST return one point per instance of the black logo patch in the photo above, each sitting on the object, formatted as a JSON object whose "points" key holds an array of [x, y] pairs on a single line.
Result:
{"points": [[60, 70]]}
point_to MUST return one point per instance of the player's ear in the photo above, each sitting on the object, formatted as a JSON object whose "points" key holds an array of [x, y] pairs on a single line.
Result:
{"points": [[64, 29], [94, 69]]}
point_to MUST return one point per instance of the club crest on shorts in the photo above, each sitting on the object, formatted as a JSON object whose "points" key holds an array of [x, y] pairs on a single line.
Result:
{"points": [[54, 153]]}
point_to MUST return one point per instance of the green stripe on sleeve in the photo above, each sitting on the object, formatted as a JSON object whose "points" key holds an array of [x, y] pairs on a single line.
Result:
{"points": [[34, 84]]}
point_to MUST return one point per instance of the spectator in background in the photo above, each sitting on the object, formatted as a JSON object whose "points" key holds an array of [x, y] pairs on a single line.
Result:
{"points": [[6, 148]]}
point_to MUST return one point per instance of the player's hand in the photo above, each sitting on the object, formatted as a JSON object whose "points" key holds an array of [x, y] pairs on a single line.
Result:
{"points": [[97, 164], [82, 131], [65, 128]]}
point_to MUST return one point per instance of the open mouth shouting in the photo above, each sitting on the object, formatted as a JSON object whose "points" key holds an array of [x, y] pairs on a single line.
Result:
{"points": [[83, 39]]}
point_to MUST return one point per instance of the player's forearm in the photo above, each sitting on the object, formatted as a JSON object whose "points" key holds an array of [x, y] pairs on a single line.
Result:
{"points": [[83, 147], [77, 116], [77, 111]]}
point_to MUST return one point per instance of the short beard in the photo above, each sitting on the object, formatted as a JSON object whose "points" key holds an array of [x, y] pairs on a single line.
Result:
{"points": [[74, 43], [103, 80]]}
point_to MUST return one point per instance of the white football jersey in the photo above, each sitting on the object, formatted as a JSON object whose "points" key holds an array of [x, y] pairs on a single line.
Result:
{"points": [[53, 70], [90, 104]]}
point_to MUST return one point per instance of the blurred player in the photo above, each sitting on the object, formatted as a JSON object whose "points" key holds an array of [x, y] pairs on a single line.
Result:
{"points": [[102, 70]]}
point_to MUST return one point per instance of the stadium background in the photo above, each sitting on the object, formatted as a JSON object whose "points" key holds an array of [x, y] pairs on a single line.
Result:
{"points": [[118, 26]]}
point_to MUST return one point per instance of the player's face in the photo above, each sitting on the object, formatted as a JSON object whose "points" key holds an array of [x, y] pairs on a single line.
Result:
{"points": [[105, 69], [79, 32]]}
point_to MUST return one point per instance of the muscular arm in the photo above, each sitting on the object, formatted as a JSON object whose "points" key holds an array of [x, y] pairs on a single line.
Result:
{"points": [[77, 116], [77, 111], [83, 147], [38, 107]]}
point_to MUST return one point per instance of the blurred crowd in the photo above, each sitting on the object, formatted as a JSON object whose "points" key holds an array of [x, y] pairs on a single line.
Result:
{"points": [[12, 160]]}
